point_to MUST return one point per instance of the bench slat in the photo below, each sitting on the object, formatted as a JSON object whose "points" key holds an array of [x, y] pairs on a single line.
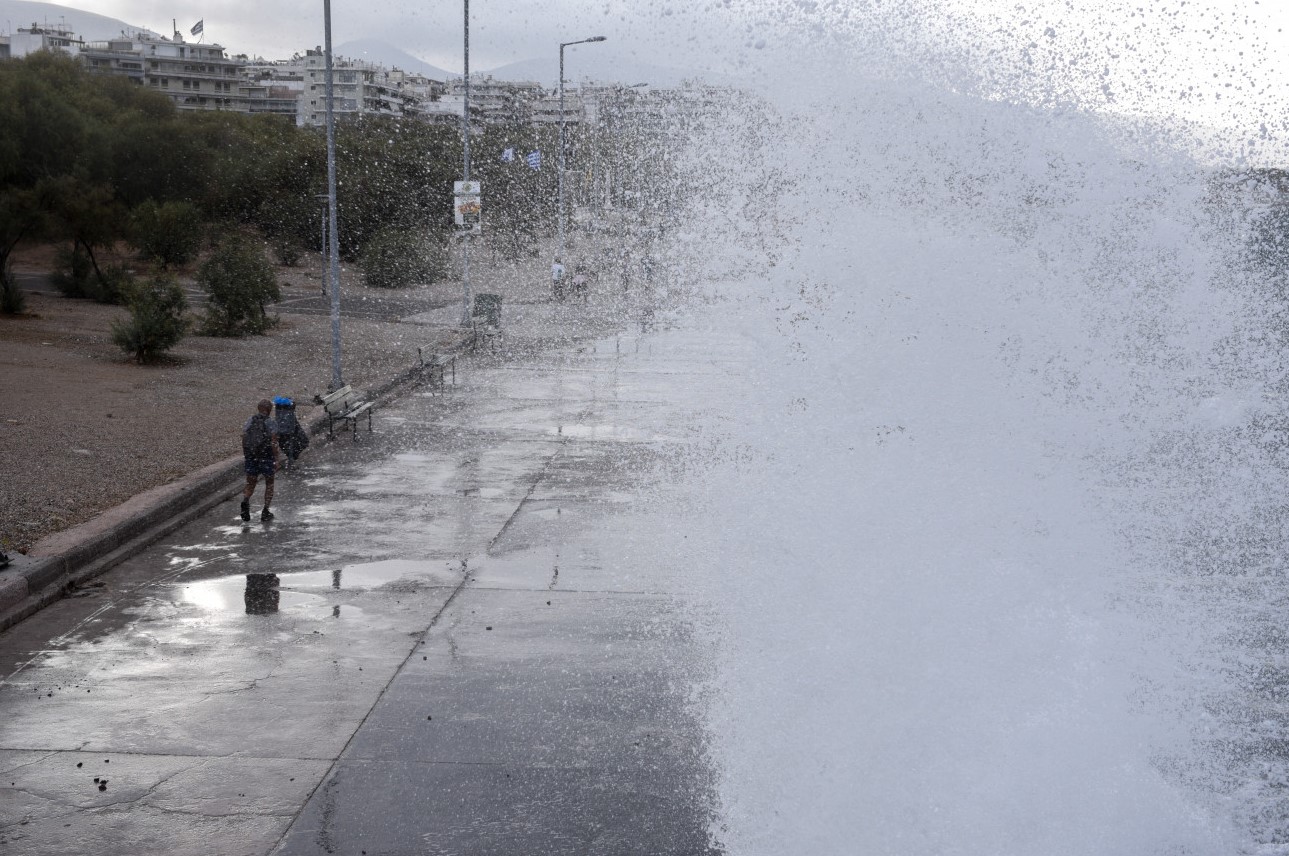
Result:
{"points": [[436, 365], [346, 404]]}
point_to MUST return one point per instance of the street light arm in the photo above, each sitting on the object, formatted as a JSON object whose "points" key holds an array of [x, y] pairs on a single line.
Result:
{"points": [[584, 41], [559, 211]]}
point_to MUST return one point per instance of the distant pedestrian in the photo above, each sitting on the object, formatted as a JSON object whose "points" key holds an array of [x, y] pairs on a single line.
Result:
{"points": [[626, 270], [579, 280], [557, 279], [260, 448]]}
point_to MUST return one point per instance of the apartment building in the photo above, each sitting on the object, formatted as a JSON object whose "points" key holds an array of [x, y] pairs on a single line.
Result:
{"points": [[37, 38], [359, 88], [193, 76], [274, 87], [497, 101], [203, 77]]}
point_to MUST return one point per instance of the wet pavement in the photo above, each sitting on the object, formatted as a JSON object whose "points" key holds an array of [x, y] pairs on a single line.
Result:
{"points": [[454, 638]]}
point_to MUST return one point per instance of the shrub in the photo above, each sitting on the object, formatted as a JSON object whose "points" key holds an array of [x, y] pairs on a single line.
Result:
{"points": [[76, 277], [74, 274], [157, 321], [169, 232], [289, 223], [115, 285], [12, 299], [288, 254], [240, 283], [397, 258]]}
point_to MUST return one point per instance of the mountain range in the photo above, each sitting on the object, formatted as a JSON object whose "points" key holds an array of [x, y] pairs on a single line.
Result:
{"points": [[88, 25]]}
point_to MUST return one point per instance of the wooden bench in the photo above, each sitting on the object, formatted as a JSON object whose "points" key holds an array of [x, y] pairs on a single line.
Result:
{"points": [[434, 367], [346, 405]]}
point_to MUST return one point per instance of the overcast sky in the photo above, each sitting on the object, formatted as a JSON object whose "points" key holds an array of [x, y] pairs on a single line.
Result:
{"points": [[1211, 60], [501, 32]]}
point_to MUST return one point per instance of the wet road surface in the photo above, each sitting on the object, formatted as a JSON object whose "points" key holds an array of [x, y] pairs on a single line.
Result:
{"points": [[454, 638]]}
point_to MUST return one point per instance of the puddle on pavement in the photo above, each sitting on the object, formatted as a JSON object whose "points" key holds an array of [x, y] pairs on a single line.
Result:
{"points": [[551, 513], [483, 492], [263, 594], [365, 576], [621, 433], [252, 594], [209, 547]]}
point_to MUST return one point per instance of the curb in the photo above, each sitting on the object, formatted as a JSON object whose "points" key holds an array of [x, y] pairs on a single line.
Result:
{"points": [[64, 560], [71, 557]]}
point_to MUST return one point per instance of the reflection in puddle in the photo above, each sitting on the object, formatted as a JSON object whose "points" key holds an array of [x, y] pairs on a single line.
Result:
{"points": [[608, 432], [484, 492], [262, 594], [258, 594], [267, 593], [206, 547], [364, 576]]}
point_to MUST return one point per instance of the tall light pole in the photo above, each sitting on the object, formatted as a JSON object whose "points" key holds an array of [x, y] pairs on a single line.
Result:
{"points": [[560, 215], [334, 244], [324, 201], [465, 136]]}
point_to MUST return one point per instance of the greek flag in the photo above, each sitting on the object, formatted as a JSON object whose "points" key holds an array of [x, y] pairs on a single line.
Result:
{"points": [[198, 27], [534, 159], [508, 155]]}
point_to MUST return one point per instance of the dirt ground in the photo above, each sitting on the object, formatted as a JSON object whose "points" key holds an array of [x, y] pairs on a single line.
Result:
{"points": [[84, 427]]}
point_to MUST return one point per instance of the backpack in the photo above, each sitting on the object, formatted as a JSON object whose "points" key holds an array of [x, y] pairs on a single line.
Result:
{"points": [[257, 442], [287, 424]]}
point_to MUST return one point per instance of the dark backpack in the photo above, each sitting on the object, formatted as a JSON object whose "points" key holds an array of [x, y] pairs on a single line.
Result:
{"points": [[257, 442]]}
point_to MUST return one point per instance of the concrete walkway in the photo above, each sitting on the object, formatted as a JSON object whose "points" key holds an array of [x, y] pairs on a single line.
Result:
{"points": [[452, 639]]}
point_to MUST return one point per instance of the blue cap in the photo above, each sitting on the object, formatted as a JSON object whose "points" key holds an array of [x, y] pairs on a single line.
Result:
{"points": [[282, 399]]}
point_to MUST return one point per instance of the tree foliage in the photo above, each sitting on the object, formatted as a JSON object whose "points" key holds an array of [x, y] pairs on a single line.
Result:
{"points": [[80, 151], [169, 232], [393, 173], [12, 299], [240, 284], [397, 258], [157, 319], [519, 202]]}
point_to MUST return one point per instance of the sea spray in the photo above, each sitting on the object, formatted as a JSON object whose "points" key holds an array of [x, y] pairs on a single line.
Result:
{"points": [[972, 531]]}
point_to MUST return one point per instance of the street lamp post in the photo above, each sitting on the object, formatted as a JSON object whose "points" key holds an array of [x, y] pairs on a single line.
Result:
{"points": [[324, 201], [465, 167], [333, 250], [560, 215]]}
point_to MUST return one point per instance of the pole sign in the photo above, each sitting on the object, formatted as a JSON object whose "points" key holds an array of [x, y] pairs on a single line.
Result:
{"points": [[467, 207]]}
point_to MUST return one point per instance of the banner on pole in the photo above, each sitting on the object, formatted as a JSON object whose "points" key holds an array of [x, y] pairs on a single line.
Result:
{"points": [[467, 207]]}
